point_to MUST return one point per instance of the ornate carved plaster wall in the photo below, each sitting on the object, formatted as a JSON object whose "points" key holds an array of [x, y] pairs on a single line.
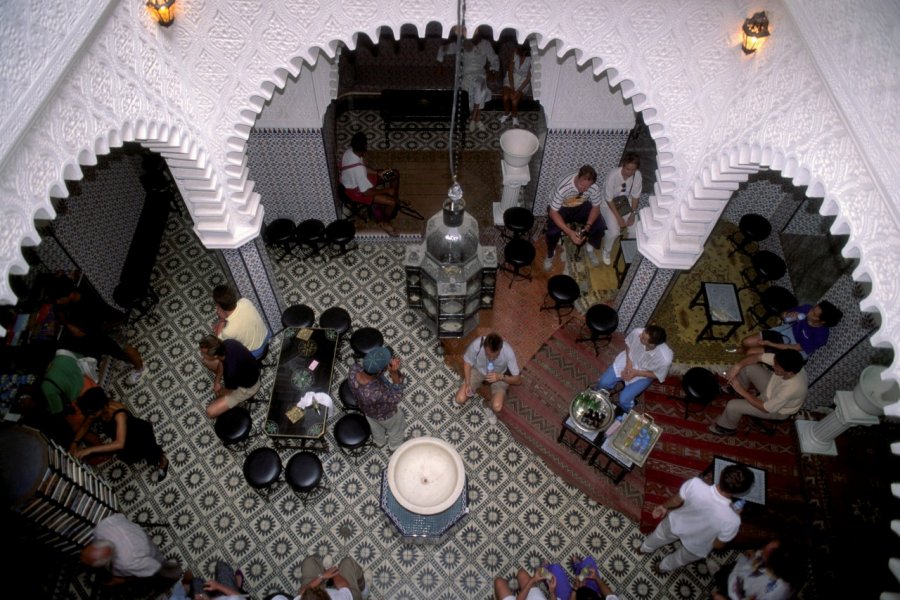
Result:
{"points": [[198, 87]]}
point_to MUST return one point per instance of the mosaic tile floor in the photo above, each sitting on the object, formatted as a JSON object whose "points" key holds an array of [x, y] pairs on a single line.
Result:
{"points": [[520, 513]]}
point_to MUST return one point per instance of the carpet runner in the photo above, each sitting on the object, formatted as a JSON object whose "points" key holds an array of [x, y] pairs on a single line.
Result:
{"points": [[535, 410]]}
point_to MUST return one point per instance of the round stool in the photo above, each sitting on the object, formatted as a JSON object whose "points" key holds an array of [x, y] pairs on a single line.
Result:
{"points": [[262, 467], [233, 426], [520, 254], [298, 315], [303, 473], [563, 291], [348, 398], [280, 233], [310, 234], [352, 433], [772, 302], [700, 387], [365, 339], [601, 321], [752, 228], [340, 233], [767, 266], [518, 220], [335, 318]]}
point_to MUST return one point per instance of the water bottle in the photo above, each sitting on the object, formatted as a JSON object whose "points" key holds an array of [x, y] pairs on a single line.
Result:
{"points": [[738, 504], [800, 316], [490, 366]]}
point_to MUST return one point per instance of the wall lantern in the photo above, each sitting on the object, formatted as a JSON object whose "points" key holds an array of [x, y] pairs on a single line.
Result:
{"points": [[163, 11], [755, 32]]}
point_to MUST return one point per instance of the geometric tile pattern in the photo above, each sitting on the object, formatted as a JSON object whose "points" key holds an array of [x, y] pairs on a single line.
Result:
{"points": [[520, 513]]}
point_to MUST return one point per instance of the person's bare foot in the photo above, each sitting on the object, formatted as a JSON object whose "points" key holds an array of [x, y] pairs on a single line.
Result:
{"points": [[388, 228]]}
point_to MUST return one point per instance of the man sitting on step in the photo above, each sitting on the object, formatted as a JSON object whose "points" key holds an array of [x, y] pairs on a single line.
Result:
{"points": [[577, 199]]}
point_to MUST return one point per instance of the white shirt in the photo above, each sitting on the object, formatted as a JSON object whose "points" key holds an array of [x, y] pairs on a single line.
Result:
{"points": [[134, 554], [614, 183], [476, 357], [355, 176], [567, 195], [705, 516], [657, 360]]}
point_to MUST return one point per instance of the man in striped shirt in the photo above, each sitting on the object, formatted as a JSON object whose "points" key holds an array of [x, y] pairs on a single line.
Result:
{"points": [[577, 199]]}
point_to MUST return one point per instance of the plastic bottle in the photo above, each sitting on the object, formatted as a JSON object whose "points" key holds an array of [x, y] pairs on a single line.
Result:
{"points": [[490, 366], [800, 316], [738, 504]]}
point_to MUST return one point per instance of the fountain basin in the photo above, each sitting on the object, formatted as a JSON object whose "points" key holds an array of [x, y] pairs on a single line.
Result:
{"points": [[426, 475], [518, 146]]}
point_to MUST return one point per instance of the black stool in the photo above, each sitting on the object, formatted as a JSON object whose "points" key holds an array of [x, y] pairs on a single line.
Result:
{"points": [[338, 319], [563, 291], [365, 339], [751, 228], [772, 302], [233, 426], [520, 254], [352, 434], [298, 315], [767, 266], [310, 234], [340, 233], [262, 468], [280, 233], [348, 398], [304, 474], [601, 321], [700, 386], [519, 221]]}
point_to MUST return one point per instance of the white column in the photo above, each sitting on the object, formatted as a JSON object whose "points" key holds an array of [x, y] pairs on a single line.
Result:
{"points": [[514, 179], [817, 437]]}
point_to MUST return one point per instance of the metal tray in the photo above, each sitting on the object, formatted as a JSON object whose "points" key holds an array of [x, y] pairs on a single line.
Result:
{"points": [[629, 430], [583, 402]]}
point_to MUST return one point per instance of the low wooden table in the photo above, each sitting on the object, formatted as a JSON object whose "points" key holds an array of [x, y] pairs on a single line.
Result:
{"points": [[723, 308], [626, 253], [597, 448], [293, 379], [430, 110]]}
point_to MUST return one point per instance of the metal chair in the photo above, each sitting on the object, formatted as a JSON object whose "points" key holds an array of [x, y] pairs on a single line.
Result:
{"points": [[262, 468], [519, 254], [298, 315], [347, 397], [517, 220], [601, 321], [365, 339], [767, 266], [340, 233], [700, 386], [353, 434], [280, 233], [233, 427], [310, 234], [337, 319], [304, 474], [751, 228], [563, 291], [772, 302]]}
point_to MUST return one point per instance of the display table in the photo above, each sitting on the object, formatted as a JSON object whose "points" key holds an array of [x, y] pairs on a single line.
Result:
{"points": [[293, 379], [723, 308]]}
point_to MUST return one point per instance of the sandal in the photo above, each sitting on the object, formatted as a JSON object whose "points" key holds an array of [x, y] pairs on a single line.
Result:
{"points": [[163, 469]]}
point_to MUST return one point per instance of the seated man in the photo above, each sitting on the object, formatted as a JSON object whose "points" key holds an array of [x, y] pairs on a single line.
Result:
{"points": [[577, 199], [528, 586], [370, 186], [781, 391], [239, 320], [623, 183], [237, 373], [646, 356], [343, 582], [805, 330], [127, 551], [489, 359]]}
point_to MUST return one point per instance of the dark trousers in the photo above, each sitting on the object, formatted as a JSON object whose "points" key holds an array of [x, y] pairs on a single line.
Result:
{"points": [[574, 214]]}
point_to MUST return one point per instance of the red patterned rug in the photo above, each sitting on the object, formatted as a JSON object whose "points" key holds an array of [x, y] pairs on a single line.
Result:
{"points": [[535, 410], [687, 448]]}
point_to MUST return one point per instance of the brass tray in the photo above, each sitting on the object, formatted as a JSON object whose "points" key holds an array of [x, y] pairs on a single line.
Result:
{"points": [[591, 399]]}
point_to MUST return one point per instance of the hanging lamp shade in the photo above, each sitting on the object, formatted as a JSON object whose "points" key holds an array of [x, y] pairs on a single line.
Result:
{"points": [[162, 11], [754, 32]]}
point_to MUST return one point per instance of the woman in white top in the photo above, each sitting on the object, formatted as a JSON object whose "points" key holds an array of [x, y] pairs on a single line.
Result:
{"points": [[518, 78]]}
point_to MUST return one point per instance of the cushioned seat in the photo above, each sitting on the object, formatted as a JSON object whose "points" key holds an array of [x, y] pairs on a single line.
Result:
{"points": [[751, 228], [601, 321], [310, 234], [233, 426], [772, 302], [262, 468], [280, 233], [518, 254], [340, 233], [348, 398], [518, 220], [365, 339], [700, 386], [352, 433], [767, 266], [562, 292], [304, 473], [298, 315]]}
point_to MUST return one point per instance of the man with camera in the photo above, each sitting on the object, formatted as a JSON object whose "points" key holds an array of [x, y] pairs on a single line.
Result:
{"points": [[622, 193], [368, 186], [577, 199]]}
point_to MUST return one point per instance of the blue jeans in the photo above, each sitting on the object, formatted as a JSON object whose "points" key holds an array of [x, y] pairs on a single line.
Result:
{"points": [[634, 389]]}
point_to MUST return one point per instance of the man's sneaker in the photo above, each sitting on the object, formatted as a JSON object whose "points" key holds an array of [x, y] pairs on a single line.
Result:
{"points": [[592, 255], [714, 428], [490, 415], [471, 125], [515, 121], [606, 258], [135, 376], [548, 263], [504, 119], [327, 562], [480, 126]]}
